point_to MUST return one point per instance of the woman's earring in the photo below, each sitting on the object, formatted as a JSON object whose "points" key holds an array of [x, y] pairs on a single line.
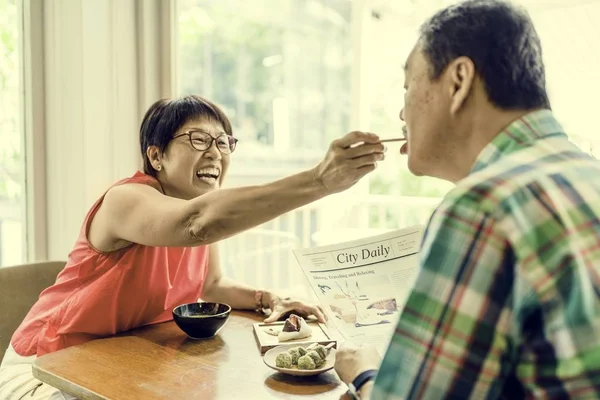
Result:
{"points": [[158, 168]]}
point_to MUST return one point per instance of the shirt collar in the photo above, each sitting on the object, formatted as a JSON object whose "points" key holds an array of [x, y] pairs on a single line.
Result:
{"points": [[519, 134]]}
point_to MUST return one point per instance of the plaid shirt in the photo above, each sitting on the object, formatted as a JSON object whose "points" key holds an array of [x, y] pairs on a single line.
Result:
{"points": [[507, 303]]}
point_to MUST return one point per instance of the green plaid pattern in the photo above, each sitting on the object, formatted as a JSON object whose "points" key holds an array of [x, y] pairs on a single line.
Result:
{"points": [[506, 304]]}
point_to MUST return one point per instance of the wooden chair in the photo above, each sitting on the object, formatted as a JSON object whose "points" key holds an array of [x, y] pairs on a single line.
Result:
{"points": [[20, 288]]}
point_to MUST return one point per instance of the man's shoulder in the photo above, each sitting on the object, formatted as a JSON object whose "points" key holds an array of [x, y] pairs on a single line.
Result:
{"points": [[517, 173]]}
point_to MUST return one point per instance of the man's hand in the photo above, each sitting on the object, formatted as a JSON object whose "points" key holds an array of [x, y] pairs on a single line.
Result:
{"points": [[347, 161], [351, 360], [282, 306]]}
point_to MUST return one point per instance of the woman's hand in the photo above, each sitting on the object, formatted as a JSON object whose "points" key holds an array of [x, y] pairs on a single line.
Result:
{"points": [[280, 306], [347, 161]]}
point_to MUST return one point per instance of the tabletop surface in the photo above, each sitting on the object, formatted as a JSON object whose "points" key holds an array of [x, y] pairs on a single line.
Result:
{"points": [[160, 362]]}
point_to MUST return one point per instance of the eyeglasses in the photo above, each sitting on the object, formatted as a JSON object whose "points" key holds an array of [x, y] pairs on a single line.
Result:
{"points": [[203, 141]]}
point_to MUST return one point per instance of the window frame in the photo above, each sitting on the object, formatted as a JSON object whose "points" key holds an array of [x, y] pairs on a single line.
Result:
{"points": [[33, 129]]}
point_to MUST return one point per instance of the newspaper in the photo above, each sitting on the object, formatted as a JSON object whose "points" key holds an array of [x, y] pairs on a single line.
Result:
{"points": [[364, 284]]}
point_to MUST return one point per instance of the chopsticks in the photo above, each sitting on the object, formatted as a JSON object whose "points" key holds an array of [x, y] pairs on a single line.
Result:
{"points": [[328, 347], [312, 346], [402, 139]]}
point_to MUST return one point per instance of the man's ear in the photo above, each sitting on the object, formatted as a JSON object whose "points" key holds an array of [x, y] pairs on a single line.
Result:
{"points": [[461, 74], [153, 154]]}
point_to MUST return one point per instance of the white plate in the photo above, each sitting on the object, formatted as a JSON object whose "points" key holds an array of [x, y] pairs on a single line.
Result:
{"points": [[271, 355]]}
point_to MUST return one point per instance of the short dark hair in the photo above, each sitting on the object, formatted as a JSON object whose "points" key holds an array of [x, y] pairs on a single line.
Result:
{"points": [[166, 116], [503, 44]]}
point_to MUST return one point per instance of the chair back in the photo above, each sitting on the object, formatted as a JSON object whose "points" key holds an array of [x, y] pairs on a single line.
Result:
{"points": [[20, 288]]}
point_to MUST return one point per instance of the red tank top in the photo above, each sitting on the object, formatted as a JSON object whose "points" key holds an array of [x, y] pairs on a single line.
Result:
{"points": [[100, 294]]}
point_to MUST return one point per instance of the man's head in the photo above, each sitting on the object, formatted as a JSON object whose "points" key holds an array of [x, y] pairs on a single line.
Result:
{"points": [[476, 66]]}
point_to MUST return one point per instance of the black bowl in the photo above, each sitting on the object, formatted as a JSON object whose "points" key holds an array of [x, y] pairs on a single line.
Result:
{"points": [[201, 320]]}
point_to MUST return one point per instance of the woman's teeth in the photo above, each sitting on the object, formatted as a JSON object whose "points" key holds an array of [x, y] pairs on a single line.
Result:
{"points": [[208, 172], [208, 175]]}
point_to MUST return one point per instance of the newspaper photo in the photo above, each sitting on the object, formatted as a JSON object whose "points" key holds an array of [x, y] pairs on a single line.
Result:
{"points": [[364, 284]]}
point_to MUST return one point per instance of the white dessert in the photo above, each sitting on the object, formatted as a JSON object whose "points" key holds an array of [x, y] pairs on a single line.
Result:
{"points": [[295, 327]]}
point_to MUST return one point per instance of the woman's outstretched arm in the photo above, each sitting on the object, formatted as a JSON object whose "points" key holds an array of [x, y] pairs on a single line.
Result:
{"points": [[141, 214]]}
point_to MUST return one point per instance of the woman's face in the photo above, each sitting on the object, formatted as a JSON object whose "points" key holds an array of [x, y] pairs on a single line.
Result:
{"points": [[187, 172]]}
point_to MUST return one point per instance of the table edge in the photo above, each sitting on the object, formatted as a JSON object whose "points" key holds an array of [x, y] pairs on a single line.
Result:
{"points": [[73, 389]]}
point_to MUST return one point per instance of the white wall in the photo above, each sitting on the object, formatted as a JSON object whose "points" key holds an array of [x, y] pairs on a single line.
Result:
{"points": [[103, 63]]}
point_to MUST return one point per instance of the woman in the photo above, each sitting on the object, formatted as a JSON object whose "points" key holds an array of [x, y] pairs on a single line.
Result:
{"points": [[148, 244]]}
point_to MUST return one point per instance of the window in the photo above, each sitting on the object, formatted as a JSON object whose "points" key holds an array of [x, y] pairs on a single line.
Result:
{"points": [[396, 198], [12, 165], [283, 77], [286, 76], [572, 59]]}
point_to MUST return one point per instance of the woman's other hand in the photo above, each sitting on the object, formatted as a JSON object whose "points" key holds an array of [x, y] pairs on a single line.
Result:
{"points": [[281, 306]]}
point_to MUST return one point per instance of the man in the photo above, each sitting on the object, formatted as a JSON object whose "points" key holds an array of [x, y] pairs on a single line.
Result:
{"points": [[507, 301]]}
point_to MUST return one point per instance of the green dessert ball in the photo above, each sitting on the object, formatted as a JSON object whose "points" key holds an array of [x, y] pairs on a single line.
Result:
{"points": [[302, 351], [315, 356], [295, 353], [306, 362], [283, 360], [321, 351]]}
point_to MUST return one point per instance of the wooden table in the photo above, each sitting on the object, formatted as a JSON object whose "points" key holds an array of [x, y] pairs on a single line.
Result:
{"points": [[160, 362]]}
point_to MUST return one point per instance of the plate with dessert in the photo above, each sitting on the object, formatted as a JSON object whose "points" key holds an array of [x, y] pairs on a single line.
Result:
{"points": [[295, 330], [298, 360]]}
